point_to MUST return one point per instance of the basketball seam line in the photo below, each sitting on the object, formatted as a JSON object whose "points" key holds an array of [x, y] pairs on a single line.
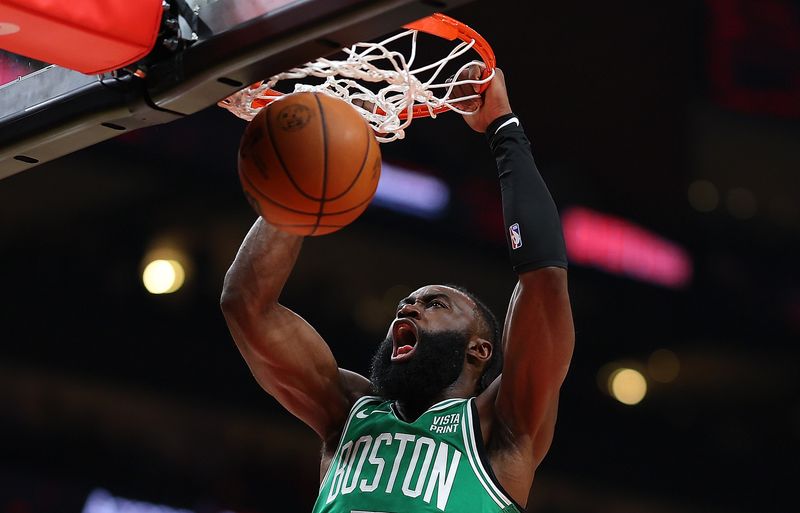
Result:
{"points": [[360, 170], [302, 212], [324, 164], [283, 164], [307, 225]]}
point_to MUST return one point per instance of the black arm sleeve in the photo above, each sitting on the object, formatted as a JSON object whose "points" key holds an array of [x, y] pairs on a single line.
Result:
{"points": [[533, 228]]}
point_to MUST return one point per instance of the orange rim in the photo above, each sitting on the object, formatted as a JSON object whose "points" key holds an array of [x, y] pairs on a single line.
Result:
{"points": [[448, 28], [442, 26]]}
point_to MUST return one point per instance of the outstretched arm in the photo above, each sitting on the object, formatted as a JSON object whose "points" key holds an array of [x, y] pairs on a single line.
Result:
{"points": [[538, 336], [286, 355]]}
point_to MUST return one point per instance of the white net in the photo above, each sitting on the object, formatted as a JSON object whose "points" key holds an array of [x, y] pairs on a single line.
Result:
{"points": [[408, 91]]}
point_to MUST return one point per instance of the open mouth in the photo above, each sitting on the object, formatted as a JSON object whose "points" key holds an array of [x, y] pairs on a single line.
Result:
{"points": [[404, 339]]}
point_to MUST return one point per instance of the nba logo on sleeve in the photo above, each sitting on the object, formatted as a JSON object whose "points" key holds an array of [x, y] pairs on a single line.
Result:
{"points": [[516, 236]]}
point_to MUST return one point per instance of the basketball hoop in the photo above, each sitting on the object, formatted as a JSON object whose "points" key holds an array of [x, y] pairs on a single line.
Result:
{"points": [[406, 95]]}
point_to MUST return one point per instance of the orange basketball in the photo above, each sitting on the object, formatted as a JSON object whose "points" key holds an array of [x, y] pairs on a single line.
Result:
{"points": [[309, 164]]}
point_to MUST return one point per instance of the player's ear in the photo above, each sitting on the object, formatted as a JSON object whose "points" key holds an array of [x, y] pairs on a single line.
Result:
{"points": [[479, 350]]}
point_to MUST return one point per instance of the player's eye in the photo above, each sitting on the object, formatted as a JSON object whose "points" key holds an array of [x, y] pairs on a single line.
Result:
{"points": [[436, 303]]}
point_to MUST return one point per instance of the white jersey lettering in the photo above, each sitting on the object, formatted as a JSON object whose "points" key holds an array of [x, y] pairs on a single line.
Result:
{"points": [[442, 476], [386, 464], [365, 442], [412, 467], [378, 462], [404, 439], [344, 456], [439, 477]]}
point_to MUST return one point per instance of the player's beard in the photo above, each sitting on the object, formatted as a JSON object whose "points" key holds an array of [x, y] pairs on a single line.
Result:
{"points": [[436, 363]]}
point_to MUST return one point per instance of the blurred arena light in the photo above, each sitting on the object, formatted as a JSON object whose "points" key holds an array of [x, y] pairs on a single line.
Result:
{"points": [[621, 247], [627, 386], [703, 196], [163, 276], [165, 268], [752, 56], [663, 365], [101, 501], [411, 192]]}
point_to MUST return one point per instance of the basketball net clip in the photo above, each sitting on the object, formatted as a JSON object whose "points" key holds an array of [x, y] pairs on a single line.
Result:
{"points": [[406, 95]]}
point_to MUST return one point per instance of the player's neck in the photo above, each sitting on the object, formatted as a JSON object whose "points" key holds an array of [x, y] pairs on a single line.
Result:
{"points": [[410, 411]]}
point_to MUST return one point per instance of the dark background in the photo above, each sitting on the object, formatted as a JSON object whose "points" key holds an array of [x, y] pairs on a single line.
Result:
{"points": [[627, 104]]}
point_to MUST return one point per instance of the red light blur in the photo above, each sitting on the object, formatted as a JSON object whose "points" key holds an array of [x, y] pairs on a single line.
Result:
{"points": [[753, 53], [619, 246]]}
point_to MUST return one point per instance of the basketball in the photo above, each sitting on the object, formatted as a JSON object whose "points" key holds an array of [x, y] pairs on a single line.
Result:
{"points": [[309, 164]]}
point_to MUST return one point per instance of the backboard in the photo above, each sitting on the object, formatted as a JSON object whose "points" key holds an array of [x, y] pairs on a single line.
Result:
{"points": [[49, 111]]}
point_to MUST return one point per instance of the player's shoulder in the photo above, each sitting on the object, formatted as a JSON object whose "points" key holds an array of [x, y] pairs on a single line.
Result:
{"points": [[365, 404], [369, 400]]}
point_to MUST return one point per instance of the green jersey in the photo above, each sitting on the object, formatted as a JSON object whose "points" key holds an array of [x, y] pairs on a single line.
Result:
{"points": [[436, 463]]}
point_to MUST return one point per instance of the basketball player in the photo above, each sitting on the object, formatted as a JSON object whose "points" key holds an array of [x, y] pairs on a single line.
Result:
{"points": [[436, 427]]}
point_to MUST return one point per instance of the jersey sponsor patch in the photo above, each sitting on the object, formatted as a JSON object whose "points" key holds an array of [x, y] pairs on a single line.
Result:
{"points": [[443, 424], [516, 236]]}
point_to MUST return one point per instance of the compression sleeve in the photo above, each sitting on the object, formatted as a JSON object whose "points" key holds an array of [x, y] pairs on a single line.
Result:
{"points": [[533, 228]]}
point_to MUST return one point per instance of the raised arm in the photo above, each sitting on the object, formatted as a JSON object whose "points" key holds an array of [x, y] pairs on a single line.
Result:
{"points": [[538, 336], [286, 355]]}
